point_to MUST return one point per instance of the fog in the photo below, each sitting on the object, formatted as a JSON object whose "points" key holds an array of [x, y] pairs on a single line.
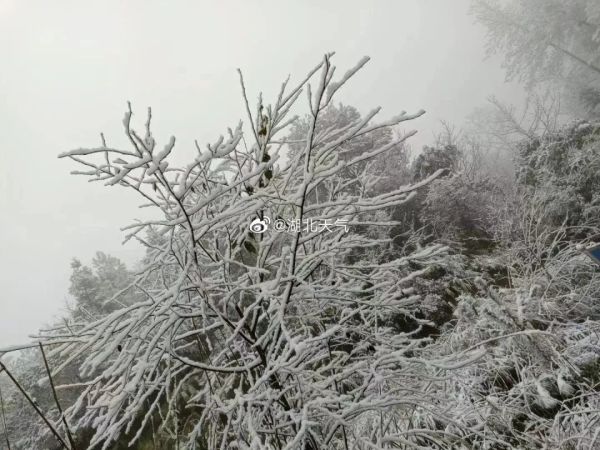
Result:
{"points": [[68, 69]]}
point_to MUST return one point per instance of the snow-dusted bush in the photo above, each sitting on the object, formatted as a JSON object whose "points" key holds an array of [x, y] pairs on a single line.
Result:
{"points": [[561, 174], [536, 387], [250, 339], [432, 159], [464, 208]]}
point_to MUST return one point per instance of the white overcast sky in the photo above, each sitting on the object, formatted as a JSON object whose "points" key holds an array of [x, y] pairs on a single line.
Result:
{"points": [[67, 69]]}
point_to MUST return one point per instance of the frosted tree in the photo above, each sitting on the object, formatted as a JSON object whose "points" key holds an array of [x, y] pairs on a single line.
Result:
{"points": [[255, 330], [547, 40], [540, 36], [91, 286], [391, 167]]}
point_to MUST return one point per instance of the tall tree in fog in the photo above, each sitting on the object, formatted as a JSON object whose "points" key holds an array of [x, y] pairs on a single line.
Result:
{"points": [[93, 287], [547, 40]]}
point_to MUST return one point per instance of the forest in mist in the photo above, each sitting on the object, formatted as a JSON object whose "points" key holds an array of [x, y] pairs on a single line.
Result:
{"points": [[311, 280]]}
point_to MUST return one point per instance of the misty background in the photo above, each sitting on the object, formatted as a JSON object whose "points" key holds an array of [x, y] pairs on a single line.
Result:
{"points": [[68, 69]]}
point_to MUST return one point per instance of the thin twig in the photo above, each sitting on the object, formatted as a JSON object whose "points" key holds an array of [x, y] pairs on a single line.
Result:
{"points": [[62, 415]]}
